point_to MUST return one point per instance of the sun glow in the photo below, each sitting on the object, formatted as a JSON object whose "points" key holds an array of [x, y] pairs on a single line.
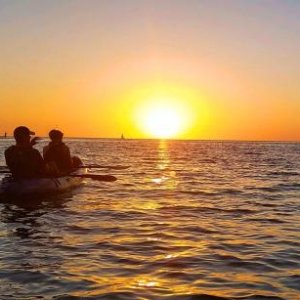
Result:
{"points": [[163, 118]]}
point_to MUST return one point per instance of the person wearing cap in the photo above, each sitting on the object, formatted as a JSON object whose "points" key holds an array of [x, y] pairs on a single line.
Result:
{"points": [[22, 159], [57, 154]]}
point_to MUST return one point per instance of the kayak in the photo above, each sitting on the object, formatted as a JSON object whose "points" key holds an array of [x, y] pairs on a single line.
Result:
{"points": [[38, 185]]}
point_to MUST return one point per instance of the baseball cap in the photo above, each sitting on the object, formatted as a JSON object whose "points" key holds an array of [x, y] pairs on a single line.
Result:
{"points": [[23, 130], [55, 134]]}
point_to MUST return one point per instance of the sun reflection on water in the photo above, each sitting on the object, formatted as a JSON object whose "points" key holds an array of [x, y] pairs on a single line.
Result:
{"points": [[166, 177], [163, 155], [146, 283]]}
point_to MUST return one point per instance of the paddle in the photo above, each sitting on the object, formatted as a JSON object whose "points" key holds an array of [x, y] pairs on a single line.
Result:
{"points": [[88, 167], [108, 178], [105, 167], [4, 172]]}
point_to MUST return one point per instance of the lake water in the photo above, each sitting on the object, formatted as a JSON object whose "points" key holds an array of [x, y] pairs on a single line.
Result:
{"points": [[188, 220]]}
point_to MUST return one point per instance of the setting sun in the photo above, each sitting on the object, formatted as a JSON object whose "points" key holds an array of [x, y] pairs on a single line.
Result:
{"points": [[163, 122], [163, 118]]}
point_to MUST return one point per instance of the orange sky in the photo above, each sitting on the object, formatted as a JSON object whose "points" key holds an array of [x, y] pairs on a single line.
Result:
{"points": [[88, 67]]}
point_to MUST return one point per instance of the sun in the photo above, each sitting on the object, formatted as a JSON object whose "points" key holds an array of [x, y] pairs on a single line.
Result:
{"points": [[162, 122], [162, 118]]}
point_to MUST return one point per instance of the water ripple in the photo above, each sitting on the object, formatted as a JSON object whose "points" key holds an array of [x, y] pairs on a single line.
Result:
{"points": [[188, 220]]}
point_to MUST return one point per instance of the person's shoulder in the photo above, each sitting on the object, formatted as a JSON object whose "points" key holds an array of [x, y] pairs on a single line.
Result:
{"points": [[10, 149], [65, 146]]}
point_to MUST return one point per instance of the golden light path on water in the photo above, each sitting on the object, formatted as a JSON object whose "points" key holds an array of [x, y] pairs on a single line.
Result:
{"points": [[149, 282]]}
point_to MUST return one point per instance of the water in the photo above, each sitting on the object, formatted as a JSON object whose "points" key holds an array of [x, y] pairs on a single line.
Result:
{"points": [[188, 220]]}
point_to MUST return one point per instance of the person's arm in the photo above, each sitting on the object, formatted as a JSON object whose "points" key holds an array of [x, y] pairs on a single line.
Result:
{"points": [[8, 158], [45, 150], [40, 163], [67, 157], [12, 160], [35, 140]]}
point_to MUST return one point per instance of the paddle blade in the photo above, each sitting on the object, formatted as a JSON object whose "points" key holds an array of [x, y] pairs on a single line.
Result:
{"points": [[5, 172], [105, 167], [108, 178]]}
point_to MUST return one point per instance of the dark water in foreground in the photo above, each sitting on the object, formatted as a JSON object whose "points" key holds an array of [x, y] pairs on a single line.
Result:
{"points": [[188, 220]]}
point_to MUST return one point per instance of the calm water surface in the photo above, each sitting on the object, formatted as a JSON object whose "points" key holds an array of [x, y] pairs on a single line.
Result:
{"points": [[187, 220]]}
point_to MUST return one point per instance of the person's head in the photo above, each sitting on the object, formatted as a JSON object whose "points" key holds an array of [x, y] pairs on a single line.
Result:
{"points": [[56, 135], [22, 135]]}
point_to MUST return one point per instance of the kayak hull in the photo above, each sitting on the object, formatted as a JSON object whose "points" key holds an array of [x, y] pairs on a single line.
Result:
{"points": [[38, 185]]}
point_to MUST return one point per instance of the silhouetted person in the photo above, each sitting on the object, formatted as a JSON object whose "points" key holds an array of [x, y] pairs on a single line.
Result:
{"points": [[22, 159], [57, 154]]}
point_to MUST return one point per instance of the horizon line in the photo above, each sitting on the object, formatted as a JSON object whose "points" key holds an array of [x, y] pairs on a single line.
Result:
{"points": [[170, 139]]}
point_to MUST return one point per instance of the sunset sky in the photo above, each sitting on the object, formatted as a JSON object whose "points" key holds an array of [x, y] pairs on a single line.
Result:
{"points": [[224, 69]]}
